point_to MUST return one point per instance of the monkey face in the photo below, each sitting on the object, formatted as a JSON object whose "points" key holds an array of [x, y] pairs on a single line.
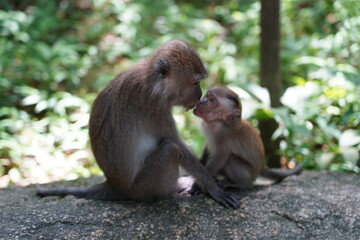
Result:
{"points": [[192, 95], [219, 104], [184, 89], [189, 95], [180, 69], [208, 107]]}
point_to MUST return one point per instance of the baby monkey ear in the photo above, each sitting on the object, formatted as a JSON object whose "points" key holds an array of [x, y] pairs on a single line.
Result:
{"points": [[233, 117], [237, 114]]}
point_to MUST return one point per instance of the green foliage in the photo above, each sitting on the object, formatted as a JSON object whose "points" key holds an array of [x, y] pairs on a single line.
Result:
{"points": [[56, 55], [320, 124], [321, 62], [44, 55]]}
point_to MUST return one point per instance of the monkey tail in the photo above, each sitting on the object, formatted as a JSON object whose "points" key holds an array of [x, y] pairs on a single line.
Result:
{"points": [[100, 192], [278, 174]]}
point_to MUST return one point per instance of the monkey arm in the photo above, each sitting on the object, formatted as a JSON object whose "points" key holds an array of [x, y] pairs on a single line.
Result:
{"points": [[190, 162], [196, 189], [216, 163], [204, 157]]}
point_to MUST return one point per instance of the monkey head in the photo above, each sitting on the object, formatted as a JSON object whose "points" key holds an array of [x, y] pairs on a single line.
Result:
{"points": [[219, 104], [180, 69]]}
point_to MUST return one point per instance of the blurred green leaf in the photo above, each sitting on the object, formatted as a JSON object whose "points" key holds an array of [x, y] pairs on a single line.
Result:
{"points": [[349, 138]]}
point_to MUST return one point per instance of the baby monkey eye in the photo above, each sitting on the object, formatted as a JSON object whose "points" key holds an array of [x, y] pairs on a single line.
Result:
{"points": [[212, 99]]}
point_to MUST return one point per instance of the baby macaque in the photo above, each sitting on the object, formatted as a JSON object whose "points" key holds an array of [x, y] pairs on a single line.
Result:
{"points": [[234, 150]]}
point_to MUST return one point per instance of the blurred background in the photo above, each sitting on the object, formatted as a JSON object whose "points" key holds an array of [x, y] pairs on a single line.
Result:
{"points": [[56, 56]]}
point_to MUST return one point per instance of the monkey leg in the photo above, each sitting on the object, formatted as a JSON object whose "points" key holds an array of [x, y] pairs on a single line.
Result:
{"points": [[226, 184], [159, 173], [238, 174]]}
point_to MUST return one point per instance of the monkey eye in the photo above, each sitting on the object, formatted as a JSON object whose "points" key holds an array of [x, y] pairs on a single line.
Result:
{"points": [[212, 99], [196, 83]]}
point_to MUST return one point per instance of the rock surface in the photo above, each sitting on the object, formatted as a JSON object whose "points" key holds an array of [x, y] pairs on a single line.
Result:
{"points": [[314, 205]]}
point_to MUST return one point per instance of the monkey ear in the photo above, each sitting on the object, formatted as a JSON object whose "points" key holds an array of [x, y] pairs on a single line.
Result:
{"points": [[237, 114], [162, 67], [232, 117]]}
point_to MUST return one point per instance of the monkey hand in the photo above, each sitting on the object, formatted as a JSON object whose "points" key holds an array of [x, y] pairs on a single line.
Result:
{"points": [[227, 199]]}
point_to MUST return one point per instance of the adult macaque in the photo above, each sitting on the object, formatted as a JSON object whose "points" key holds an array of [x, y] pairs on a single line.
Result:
{"points": [[133, 134], [233, 149]]}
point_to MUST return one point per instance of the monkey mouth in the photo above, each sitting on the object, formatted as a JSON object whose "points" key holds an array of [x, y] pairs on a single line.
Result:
{"points": [[196, 111]]}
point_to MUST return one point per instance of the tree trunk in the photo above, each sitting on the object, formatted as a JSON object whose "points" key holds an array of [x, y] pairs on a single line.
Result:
{"points": [[270, 73]]}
